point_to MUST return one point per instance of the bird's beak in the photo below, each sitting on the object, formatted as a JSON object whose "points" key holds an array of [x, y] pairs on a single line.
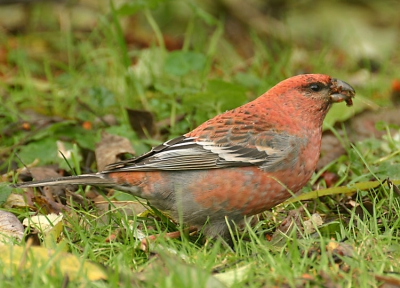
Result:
{"points": [[341, 91]]}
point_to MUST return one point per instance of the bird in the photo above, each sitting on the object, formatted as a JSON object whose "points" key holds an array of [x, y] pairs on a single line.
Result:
{"points": [[239, 163]]}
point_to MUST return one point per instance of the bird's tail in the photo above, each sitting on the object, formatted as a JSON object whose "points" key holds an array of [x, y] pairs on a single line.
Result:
{"points": [[97, 179]]}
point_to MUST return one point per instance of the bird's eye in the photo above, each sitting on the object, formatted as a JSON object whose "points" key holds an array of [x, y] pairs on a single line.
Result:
{"points": [[316, 87]]}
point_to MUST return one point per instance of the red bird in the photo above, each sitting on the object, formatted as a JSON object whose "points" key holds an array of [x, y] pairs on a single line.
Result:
{"points": [[239, 163]]}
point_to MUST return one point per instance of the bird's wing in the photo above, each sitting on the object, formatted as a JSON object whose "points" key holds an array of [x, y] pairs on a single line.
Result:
{"points": [[266, 150]]}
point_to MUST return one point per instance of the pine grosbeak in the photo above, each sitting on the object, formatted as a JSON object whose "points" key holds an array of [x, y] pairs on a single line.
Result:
{"points": [[241, 162]]}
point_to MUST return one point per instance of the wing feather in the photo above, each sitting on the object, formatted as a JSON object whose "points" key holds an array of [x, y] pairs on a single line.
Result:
{"points": [[190, 153]]}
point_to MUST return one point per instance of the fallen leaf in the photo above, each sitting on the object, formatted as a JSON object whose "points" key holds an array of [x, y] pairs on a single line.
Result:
{"points": [[229, 278], [15, 258], [43, 223], [110, 148], [15, 201], [10, 227], [42, 173], [314, 221], [46, 206], [142, 122]]}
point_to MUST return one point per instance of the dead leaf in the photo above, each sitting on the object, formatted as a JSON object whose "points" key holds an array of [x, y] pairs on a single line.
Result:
{"points": [[314, 221], [49, 226], [47, 206], [10, 227], [43, 223], [110, 148], [142, 122], [237, 275], [15, 258], [47, 200], [42, 173], [15, 201]]}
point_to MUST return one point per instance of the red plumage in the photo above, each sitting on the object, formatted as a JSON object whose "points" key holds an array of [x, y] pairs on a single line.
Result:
{"points": [[239, 163]]}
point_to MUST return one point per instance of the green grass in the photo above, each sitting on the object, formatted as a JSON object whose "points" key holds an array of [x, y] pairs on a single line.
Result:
{"points": [[65, 70]]}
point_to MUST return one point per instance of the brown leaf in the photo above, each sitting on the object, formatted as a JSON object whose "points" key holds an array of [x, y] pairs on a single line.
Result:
{"points": [[142, 122], [42, 173], [51, 197], [47, 206], [110, 149]]}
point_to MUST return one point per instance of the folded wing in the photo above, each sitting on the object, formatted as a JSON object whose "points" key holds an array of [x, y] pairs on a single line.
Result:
{"points": [[266, 150]]}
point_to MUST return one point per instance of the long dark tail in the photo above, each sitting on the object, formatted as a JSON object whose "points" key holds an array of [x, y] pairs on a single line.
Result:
{"points": [[97, 179]]}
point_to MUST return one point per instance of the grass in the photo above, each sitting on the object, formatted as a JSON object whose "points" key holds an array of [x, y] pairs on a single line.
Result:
{"points": [[65, 70]]}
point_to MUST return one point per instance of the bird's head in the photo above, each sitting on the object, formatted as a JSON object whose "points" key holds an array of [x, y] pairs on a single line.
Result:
{"points": [[305, 98], [310, 93]]}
